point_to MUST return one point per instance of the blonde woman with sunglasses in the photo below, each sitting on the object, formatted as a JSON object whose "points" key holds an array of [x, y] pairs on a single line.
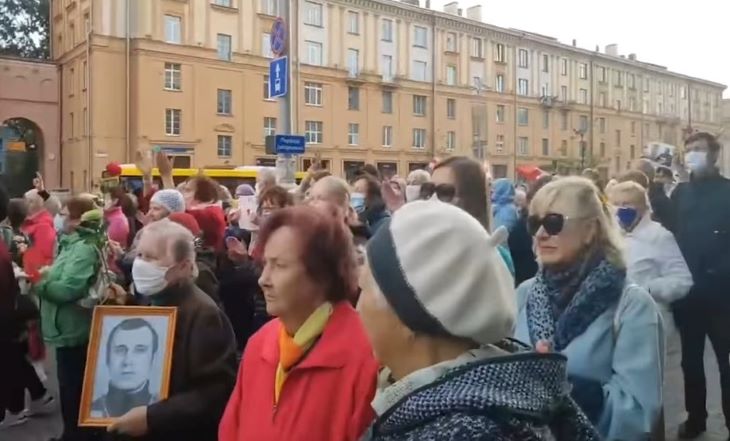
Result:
{"points": [[581, 304]]}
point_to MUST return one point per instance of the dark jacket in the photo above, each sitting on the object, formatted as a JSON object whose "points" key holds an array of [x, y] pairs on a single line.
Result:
{"points": [[203, 369], [207, 281], [239, 287], [9, 292], [661, 206], [702, 229], [519, 396], [520, 246]]}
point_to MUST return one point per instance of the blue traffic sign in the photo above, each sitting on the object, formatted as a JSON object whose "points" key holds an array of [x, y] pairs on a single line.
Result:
{"points": [[279, 77], [290, 144], [278, 37]]}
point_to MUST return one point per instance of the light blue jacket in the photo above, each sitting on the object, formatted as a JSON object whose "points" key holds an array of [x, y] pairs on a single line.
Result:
{"points": [[624, 352], [504, 211]]}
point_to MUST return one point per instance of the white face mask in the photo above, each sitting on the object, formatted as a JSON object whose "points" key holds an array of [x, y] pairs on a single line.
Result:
{"points": [[149, 278], [412, 192], [696, 161]]}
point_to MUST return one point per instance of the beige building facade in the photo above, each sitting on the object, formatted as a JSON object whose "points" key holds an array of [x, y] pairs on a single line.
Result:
{"points": [[373, 81]]}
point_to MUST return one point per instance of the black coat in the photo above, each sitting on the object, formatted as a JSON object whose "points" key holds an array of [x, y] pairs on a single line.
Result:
{"points": [[661, 206], [239, 290], [520, 246]]}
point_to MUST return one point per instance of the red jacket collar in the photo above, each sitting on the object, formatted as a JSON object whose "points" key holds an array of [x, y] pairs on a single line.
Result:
{"points": [[332, 348], [42, 217]]}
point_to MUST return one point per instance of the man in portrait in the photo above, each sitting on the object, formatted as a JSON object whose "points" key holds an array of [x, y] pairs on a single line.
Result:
{"points": [[130, 353]]}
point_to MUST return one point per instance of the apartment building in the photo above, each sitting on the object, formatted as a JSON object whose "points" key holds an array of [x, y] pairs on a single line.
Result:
{"points": [[378, 81]]}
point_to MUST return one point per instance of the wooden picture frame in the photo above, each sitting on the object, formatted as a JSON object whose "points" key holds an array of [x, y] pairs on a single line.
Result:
{"points": [[129, 353]]}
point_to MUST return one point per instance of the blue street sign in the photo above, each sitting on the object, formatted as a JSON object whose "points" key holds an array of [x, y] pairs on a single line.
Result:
{"points": [[290, 144], [278, 77], [278, 37]]}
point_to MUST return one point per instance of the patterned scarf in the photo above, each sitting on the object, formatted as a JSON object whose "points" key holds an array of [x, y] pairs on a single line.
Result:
{"points": [[562, 304], [293, 349]]}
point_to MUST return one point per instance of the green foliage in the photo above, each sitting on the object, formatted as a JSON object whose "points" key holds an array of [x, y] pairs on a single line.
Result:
{"points": [[24, 28]]}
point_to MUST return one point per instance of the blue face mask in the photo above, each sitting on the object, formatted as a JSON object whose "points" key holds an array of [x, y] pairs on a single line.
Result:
{"points": [[626, 217], [58, 223], [357, 201]]}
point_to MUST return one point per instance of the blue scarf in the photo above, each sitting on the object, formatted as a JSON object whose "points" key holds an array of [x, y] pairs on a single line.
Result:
{"points": [[562, 304]]}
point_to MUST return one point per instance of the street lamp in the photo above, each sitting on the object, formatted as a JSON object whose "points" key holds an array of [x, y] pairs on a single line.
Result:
{"points": [[582, 132]]}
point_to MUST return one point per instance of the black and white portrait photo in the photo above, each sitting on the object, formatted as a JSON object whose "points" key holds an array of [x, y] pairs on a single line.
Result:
{"points": [[131, 350]]}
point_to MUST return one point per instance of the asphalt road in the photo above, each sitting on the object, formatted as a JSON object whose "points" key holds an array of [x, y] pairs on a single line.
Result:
{"points": [[45, 427]]}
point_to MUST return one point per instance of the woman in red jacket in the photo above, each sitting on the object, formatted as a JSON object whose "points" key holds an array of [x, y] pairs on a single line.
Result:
{"points": [[308, 375], [201, 201]]}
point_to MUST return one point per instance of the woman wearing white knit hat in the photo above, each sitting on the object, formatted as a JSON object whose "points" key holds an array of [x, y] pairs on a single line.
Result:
{"points": [[438, 305]]}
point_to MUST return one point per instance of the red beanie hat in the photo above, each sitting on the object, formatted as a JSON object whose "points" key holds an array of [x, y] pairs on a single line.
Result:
{"points": [[186, 221]]}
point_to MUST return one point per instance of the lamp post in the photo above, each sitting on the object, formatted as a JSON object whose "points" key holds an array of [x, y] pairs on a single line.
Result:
{"points": [[582, 132]]}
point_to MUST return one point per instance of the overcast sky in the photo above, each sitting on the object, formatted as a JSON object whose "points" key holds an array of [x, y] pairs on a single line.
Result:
{"points": [[685, 36]]}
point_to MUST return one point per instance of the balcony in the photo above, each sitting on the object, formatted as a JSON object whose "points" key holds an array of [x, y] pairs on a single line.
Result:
{"points": [[390, 81], [567, 105], [548, 101], [355, 77]]}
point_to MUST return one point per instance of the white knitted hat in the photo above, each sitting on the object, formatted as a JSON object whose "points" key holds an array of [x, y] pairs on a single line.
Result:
{"points": [[441, 273], [172, 200]]}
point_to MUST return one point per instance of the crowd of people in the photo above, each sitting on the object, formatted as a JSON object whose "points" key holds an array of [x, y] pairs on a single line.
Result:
{"points": [[442, 306]]}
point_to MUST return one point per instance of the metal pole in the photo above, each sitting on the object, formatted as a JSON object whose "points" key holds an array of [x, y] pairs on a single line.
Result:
{"points": [[285, 164]]}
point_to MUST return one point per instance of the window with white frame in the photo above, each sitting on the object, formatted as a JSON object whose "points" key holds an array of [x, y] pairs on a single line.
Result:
{"points": [[353, 98], [387, 101], [314, 53], [583, 96], [270, 7], [632, 82], [353, 62], [313, 94], [386, 67], [266, 88], [224, 102], [450, 108], [269, 126], [523, 58], [387, 136], [583, 71], [419, 70], [523, 87], [420, 36], [353, 134], [602, 74], [619, 78], [564, 67], [451, 140], [583, 123], [602, 125], [419, 105], [266, 51], [545, 119], [499, 144], [451, 42], [477, 47], [313, 132], [564, 93], [500, 113], [353, 23], [225, 146], [419, 138], [224, 47], [172, 122], [523, 116], [499, 55], [499, 83], [173, 29], [564, 119], [226, 3], [313, 13], [545, 63], [602, 99], [387, 30], [451, 75], [173, 72], [523, 147]]}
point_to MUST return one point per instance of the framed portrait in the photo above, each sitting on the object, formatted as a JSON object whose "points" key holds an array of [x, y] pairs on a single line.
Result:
{"points": [[128, 361]]}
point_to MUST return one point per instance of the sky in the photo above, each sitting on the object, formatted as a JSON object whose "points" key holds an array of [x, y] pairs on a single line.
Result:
{"points": [[688, 37]]}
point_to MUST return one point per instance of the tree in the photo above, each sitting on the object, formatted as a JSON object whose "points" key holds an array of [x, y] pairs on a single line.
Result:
{"points": [[24, 28]]}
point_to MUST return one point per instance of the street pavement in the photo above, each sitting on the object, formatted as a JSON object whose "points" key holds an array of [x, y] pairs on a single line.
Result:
{"points": [[45, 427]]}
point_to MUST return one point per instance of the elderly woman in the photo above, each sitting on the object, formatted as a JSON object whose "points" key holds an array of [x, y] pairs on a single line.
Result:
{"points": [[415, 180], [580, 304], [309, 374], [165, 202], [450, 371], [201, 201]]}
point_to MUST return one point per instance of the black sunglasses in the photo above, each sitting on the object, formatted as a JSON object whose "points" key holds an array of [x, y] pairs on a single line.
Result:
{"points": [[553, 223], [444, 192]]}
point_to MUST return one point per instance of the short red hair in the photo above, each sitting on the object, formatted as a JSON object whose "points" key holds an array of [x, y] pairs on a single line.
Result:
{"points": [[328, 253]]}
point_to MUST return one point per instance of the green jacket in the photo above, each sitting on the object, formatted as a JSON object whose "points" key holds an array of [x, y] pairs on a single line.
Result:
{"points": [[63, 322]]}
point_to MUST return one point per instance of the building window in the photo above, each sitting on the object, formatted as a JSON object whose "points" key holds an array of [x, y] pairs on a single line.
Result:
{"points": [[419, 138], [683, 92], [173, 29], [477, 48], [451, 42], [500, 113], [451, 108], [313, 132], [387, 101], [583, 94], [564, 94], [523, 87], [224, 47], [172, 122], [353, 134], [353, 98], [522, 56], [269, 126], [564, 67], [450, 140], [618, 105], [522, 116], [545, 119], [451, 75], [226, 3], [313, 94], [353, 23], [270, 7], [266, 88], [602, 149], [499, 53], [71, 124], [314, 53], [224, 102], [633, 128], [419, 105], [632, 151], [632, 81], [313, 14], [419, 70], [602, 99], [583, 71], [632, 104], [499, 144], [420, 36], [387, 136], [545, 147], [564, 148], [602, 74], [602, 125], [353, 62], [387, 67], [546, 63], [266, 51], [618, 138], [583, 123], [225, 143], [619, 78], [499, 83], [564, 118], [387, 29], [523, 148]]}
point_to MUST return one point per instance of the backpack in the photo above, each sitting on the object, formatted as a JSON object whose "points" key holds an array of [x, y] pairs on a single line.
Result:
{"points": [[98, 292]]}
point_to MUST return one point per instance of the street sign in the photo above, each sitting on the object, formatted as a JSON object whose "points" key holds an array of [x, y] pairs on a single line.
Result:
{"points": [[278, 37], [278, 77], [290, 144]]}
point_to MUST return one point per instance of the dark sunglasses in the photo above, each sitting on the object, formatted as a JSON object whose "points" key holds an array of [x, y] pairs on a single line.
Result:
{"points": [[444, 192], [553, 224]]}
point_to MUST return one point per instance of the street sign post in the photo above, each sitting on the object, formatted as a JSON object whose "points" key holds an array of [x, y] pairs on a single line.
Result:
{"points": [[290, 144], [279, 34], [279, 77]]}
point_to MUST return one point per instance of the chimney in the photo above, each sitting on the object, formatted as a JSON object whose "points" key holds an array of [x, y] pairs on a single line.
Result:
{"points": [[575, 42], [460, 12], [612, 50], [632, 57], [428, 4], [452, 8], [598, 48], [474, 13]]}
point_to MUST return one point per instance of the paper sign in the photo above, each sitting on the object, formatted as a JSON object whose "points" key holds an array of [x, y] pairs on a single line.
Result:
{"points": [[247, 206]]}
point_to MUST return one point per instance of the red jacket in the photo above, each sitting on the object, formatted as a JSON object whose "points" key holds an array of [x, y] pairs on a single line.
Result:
{"points": [[212, 221], [326, 397], [39, 228]]}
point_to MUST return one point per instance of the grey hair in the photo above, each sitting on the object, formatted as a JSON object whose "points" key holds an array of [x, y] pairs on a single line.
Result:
{"points": [[267, 176], [418, 177], [175, 238]]}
